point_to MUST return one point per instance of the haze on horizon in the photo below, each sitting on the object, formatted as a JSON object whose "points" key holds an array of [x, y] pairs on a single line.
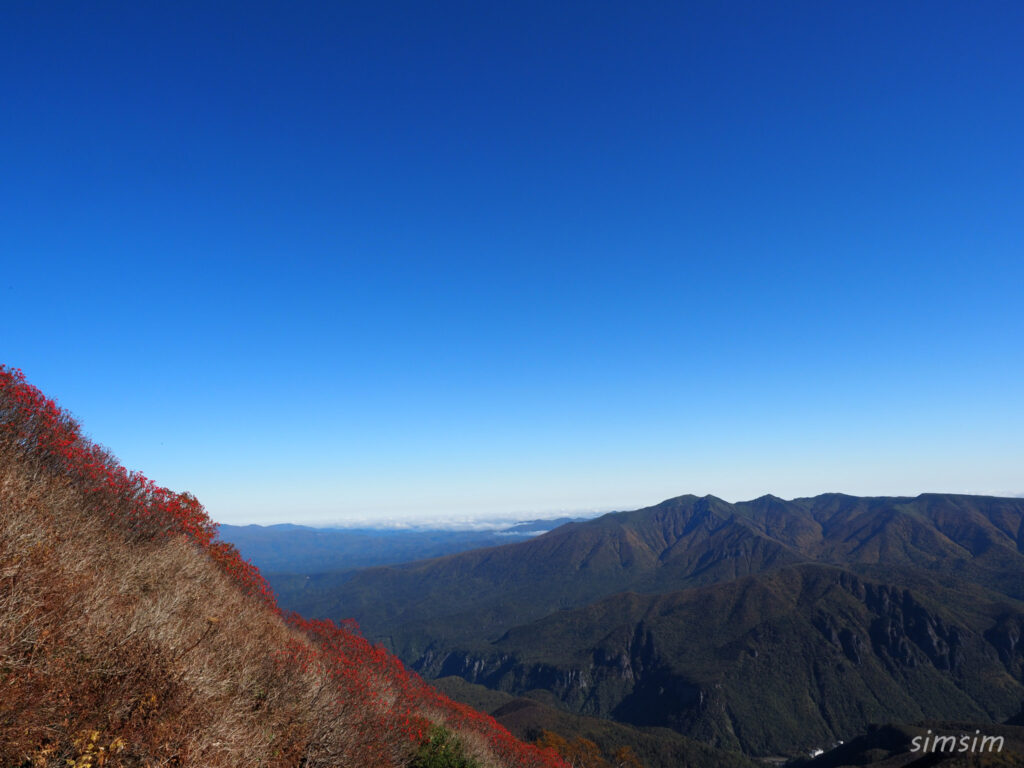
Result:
{"points": [[407, 262]]}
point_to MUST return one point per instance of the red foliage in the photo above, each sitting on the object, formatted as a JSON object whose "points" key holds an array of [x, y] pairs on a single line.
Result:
{"points": [[375, 675], [39, 427], [370, 686]]}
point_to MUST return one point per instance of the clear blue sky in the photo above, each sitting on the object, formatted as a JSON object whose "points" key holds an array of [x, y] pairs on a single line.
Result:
{"points": [[323, 260]]}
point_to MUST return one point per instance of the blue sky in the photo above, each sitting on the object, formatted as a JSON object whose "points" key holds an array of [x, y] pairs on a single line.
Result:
{"points": [[324, 261]]}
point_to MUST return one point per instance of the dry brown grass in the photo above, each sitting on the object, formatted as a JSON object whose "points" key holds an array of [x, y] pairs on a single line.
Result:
{"points": [[148, 645], [129, 636]]}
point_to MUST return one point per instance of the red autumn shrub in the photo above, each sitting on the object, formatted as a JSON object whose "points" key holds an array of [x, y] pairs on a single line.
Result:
{"points": [[123, 647]]}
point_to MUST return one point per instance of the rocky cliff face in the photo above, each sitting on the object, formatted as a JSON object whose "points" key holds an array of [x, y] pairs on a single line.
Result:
{"points": [[842, 650], [901, 630]]}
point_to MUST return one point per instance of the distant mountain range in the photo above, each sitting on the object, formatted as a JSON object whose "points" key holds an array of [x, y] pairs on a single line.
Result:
{"points": [[773, 627], [300, 549]]}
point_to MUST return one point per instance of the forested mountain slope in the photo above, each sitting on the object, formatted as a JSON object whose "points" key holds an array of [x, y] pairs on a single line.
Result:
{"points": [[770, 626], [680, 543]]}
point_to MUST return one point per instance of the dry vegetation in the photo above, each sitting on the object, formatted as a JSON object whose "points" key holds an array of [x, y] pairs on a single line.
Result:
{"points": [[130, 636]]}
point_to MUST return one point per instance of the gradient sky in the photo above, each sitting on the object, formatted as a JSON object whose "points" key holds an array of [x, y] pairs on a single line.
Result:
{"points": [[325, 261]]}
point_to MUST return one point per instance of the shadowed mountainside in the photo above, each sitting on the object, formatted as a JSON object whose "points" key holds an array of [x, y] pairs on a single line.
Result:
{"points": [[770, 626], [822, 650], [537, 711]]}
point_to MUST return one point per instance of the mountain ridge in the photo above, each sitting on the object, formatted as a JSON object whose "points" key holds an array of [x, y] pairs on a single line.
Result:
{"points": [[682, 542]]}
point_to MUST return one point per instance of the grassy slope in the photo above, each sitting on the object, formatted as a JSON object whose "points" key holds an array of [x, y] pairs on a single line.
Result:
{"points": [[129, 635], [147, 644]]}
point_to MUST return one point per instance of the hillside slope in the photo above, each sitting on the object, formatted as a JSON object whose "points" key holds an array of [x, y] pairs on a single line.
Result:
{"points": [[130, 635]]}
